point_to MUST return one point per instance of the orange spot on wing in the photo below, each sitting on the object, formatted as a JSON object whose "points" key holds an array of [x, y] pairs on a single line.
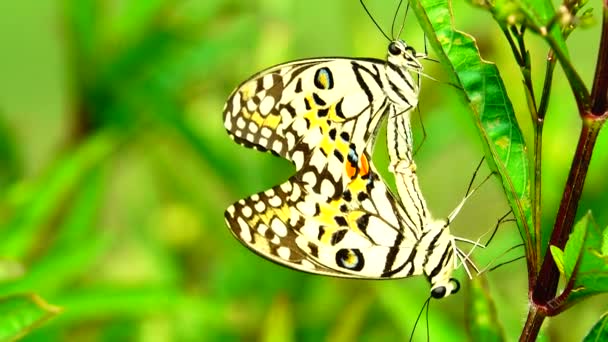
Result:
{"points": [[364, 165], [350, 170]]}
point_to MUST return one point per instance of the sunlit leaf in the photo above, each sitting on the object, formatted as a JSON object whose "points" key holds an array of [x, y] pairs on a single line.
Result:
{"points": [[22, 313], [558, 257], [490, 105], [591, 277]]}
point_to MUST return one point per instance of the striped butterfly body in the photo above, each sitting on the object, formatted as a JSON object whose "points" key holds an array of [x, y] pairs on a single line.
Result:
{"points": [[335, 215]]}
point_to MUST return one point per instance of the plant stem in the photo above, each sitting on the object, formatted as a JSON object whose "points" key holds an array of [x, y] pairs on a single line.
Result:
{"points": [[533, 323], [593, 121], [548, 278]]}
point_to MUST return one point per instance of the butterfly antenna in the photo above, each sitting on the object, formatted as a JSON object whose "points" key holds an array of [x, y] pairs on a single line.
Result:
{"points": [[426, 304], [470, 191], [395, 19], [487, 269], [500, 221], [474, 175], [374, 20], [506, 263], [428, 331], [407, 9]]}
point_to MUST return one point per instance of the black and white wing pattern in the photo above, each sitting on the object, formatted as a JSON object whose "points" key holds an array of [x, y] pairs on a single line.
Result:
{"points": [[336, 216]]}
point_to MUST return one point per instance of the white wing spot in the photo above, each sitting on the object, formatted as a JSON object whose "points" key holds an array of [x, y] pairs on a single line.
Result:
{"points": [[245, 233], [310, 178], [251, 106], [284, 252], [262, 228], [275, 201], [327, 188], [240, 123], [266, 105], [267, 82], [246, 211], [266, 132], [253, 127], [277, 145], [278, 227], [260, 206], [286, 186], [298, 159]]}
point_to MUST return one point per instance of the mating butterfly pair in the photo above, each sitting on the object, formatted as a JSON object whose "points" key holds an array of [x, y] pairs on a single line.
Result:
{"points": [[336, 216]]}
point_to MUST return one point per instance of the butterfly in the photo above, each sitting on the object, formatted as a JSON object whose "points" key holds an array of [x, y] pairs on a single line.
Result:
{"points": [[336, 216]]}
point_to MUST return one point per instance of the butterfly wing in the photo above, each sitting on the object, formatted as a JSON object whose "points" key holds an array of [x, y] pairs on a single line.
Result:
{"points": [[362, 234], [313, 112]]}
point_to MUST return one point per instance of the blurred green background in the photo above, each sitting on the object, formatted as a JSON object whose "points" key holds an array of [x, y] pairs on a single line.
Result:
{"points": [[115, 170]]}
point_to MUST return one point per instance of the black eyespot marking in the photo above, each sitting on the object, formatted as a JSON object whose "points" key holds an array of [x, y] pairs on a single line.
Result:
{"points": [[438, 292], [324, 79], [351, 259], [394, 49]]}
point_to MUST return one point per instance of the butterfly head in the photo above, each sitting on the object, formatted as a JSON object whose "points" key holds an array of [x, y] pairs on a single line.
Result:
{"points": [[401, 54]]}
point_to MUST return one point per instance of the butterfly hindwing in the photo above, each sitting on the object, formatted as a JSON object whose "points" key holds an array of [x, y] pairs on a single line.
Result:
{"points": [[360, 234]]}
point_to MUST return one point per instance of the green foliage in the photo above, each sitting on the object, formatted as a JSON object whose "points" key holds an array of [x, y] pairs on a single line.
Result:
{"points": [[115, 170], [493, 111], [599, 332], [22, 313], [482, 319]]}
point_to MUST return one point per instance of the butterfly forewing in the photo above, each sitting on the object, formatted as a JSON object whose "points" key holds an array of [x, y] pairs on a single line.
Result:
{"points": [[291, 108]]}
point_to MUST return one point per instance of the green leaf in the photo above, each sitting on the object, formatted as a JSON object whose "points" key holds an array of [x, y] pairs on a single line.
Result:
{"points": [[574, 246], [558, 257], [591, 277], [490, 105], [23, 313], [481, 318], [36, 204], [599, 332]]}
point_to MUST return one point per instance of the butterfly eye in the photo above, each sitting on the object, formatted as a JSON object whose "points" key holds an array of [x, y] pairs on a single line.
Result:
{"points": [[438, 292], [410, 50], [394, 49]]}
